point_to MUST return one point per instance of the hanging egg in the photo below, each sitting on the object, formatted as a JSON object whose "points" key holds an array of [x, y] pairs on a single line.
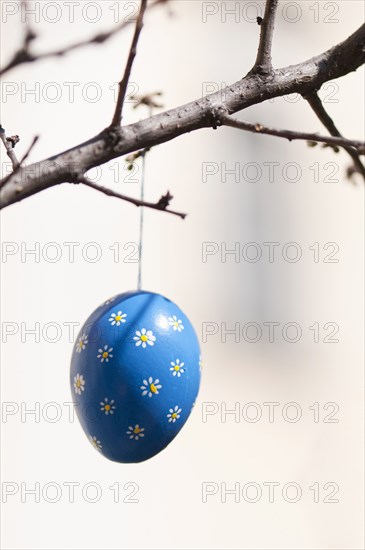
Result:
{"points": [[135, 375]]}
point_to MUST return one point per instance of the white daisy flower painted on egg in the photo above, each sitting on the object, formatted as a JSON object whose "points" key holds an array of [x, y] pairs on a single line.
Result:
{"points": [[82, 342], [176, 323], [144, 337], [79, 383], [174, 414], [136, 432], [177, 368], [150, 387], [107, 406], [105, 354], [95, 442], [117, 318]]}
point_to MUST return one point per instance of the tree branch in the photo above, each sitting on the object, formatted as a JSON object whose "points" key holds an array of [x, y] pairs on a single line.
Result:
{"points": [[24, 158], [291, 135], [24, 55], [317, 106], [9, 148], [123, 84], [161, 205], [112, 143], [263, 60]]}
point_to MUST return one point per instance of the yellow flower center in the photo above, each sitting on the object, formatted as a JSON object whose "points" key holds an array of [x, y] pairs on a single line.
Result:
{"points": [[144, 338], [153, 388], [78, 383], [105, 354], [177, 368], [118, 317], [174, 415], [80, 344], [107, 407], [136, 430], [176, 323]]}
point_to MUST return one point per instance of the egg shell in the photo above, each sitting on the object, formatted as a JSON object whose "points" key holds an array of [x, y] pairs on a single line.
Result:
{"points": [[135, 375]]}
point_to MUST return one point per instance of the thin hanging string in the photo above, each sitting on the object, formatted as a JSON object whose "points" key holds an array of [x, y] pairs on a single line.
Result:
{"points": [[141, 219]]}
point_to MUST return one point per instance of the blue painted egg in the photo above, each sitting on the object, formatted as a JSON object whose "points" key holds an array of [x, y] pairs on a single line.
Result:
{"points": [[135, 375]]}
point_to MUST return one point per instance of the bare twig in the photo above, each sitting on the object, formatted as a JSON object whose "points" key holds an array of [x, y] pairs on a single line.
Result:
{"points": [[24, 55], [123, 84], [29, 32], [161, 205], [317, 106], [24, 158], [9, 148], [263, 60], [28, 151], [289, 134]]}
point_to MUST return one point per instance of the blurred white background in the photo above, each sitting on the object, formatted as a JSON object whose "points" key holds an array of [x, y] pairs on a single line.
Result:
{"points": [[308, 201]]}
